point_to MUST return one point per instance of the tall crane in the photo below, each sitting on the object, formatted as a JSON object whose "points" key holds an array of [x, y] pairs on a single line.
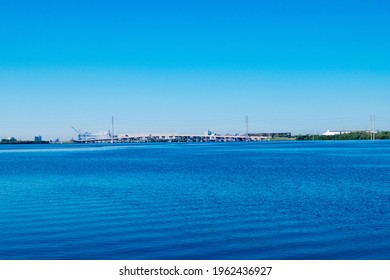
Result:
{"points": [[78, 131]]}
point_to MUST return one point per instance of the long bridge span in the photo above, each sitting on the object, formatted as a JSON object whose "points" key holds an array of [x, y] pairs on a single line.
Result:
{"points": [[170, 137]]}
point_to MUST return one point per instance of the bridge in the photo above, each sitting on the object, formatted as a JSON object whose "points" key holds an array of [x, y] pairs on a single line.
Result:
{"points": [[169, 137], [174, 137]]}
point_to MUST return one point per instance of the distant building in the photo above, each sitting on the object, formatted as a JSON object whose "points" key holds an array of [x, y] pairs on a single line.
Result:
{"points": [[331, 133], [271, 134], [94, 137], [209, 132], [338, 132], [38, 138]]}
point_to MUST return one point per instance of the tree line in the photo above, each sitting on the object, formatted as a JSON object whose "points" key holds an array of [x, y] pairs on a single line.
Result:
{"points": [[359, 135], [13, 140]]}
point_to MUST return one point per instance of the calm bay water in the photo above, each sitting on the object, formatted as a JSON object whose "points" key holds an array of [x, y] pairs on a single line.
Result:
{"points": [[267, 200]]}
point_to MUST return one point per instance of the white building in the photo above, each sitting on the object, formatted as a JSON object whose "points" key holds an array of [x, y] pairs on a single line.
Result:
{"points": [[336, 132]]}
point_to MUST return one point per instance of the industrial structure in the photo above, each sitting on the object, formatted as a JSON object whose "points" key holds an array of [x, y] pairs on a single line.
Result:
{"points": [[106, 137], [209, 136], [86, 137], [372, 129]]}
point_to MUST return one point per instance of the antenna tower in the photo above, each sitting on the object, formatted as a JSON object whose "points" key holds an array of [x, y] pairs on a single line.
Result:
{"points": [[112, 129], [372, 126], [247, 127]]}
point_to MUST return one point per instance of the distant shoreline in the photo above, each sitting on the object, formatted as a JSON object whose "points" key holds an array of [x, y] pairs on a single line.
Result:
{"points": [[379, 135], [24, 142], [273, 140]]}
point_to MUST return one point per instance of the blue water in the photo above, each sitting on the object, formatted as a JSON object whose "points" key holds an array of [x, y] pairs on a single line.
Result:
{"points": [[267, 200]]}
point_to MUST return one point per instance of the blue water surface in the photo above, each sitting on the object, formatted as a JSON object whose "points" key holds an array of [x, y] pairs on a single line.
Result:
{"points": [[266, 200]]}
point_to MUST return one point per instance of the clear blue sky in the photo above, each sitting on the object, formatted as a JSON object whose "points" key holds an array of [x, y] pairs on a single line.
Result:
{"points": [[188, 66]]}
